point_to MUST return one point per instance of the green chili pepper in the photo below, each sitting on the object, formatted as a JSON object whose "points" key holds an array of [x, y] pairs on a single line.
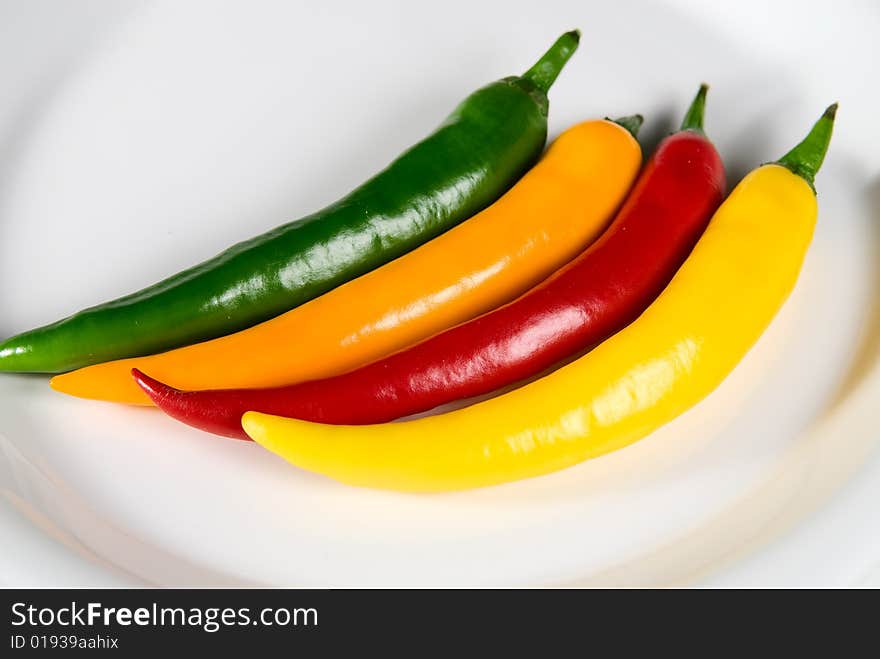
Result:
{"points": [[484, 146]]}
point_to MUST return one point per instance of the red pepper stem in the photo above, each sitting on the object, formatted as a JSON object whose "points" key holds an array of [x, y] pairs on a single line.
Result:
{"points": [[546, 69], [806, 158], [632, 123], [693, 120]]}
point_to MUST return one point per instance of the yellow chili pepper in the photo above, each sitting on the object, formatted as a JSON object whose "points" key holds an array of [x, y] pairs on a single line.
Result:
{"points": [[559, 206], [677, 352]]}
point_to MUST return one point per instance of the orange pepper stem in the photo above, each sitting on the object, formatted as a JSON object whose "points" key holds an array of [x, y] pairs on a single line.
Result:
{"points": [[631, 122]]}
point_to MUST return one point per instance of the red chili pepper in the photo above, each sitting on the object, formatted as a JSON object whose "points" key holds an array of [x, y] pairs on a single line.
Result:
{"points": [[588, 300]]}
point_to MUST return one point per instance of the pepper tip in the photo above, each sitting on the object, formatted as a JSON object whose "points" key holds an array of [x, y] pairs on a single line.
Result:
{"points": [[831, 111], [250, 423], [157, 391]]}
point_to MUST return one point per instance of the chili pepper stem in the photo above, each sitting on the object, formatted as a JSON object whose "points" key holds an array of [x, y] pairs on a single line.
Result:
{"points": [[693, 119], [806, 158], [546, 69], [632, 123]]}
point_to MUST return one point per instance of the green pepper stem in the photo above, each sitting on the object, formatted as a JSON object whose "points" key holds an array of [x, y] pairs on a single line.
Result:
{"points": [[693, 120], [806, 158], [632, 123], [546, 69]]}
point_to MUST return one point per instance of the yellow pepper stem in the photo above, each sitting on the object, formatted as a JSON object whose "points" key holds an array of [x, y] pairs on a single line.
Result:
{"points": [[806, 158]]}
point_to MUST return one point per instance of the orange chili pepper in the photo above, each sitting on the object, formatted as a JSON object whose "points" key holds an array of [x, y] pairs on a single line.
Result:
{"points": [[559, 207]]}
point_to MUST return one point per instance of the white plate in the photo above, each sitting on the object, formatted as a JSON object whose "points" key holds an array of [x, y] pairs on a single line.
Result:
{"points": [[137, 138]]}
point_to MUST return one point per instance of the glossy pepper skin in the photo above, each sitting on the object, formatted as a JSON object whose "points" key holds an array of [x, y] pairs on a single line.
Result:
{"points": [[481, 149], [552, 213], [678, 351], [598, 293]]}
